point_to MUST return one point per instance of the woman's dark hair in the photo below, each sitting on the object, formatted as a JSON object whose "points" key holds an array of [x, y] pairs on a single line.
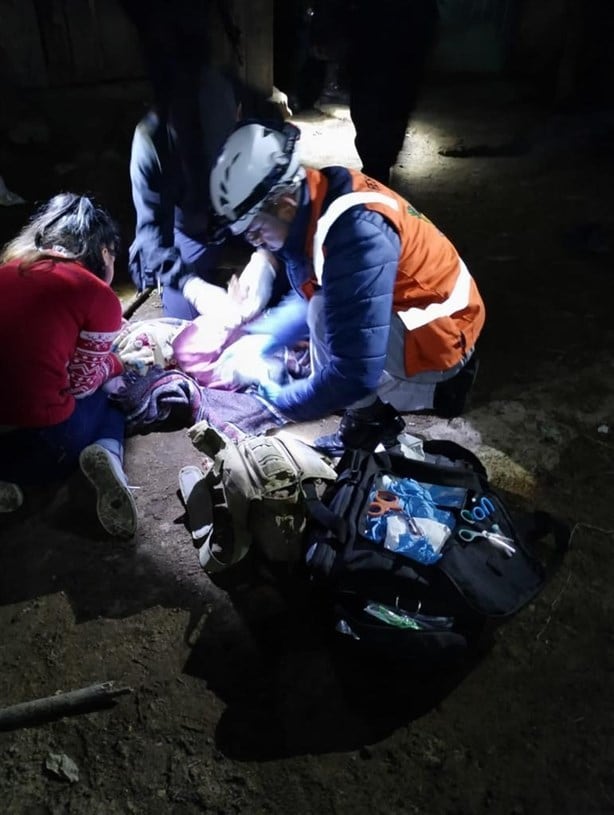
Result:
{"points": [[70, 225]]}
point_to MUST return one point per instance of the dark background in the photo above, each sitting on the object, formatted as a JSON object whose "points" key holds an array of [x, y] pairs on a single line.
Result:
{"points": [[238, 704]]}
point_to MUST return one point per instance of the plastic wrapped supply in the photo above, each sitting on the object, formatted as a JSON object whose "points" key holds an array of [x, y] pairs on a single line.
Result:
{"points": [[420, 525]]}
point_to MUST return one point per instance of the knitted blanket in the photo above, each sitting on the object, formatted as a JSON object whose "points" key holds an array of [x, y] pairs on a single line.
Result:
{"points": [[165, 400]]}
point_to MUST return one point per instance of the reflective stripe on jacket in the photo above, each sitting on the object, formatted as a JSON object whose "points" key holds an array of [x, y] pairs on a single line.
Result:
{"points": [[434, 294]]}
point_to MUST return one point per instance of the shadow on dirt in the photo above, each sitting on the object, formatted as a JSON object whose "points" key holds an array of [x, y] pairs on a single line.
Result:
{"points": [[264, 646], [291, 690], [55, 544], [268, 652]]}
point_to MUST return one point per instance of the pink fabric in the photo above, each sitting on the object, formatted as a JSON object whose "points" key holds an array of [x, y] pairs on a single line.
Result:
{"points": [[198, 346]]}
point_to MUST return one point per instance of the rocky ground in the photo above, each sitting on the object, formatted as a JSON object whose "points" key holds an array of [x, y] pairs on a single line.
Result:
{"points": [[236, 703]]}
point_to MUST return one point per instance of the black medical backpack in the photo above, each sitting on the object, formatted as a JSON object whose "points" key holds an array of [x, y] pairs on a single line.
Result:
{"points": [[386, 601]]}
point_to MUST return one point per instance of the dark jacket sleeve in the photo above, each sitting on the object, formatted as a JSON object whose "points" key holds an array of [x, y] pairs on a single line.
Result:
{"points": [[361, 259], [153, 177]]}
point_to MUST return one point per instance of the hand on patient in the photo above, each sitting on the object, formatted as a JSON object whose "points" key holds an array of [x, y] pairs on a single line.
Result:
{"points": [[213, 302], [250, 361], [253, 289]]}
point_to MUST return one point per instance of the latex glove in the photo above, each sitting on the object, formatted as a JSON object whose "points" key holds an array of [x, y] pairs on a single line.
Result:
{"points": [[245, 363], [256, 284], [286, 322], [212, 302]]}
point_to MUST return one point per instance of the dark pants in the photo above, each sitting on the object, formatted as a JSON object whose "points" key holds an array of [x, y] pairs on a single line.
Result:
{"points": [[390, 44], [203, 261], [31, 456]]}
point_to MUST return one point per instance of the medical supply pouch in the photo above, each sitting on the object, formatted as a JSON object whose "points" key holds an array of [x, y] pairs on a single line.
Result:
{"points": [[422, 558]]}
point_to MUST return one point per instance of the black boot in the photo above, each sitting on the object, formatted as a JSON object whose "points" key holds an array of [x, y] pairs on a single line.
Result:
{"points": [[452, 396], [364, 429]]}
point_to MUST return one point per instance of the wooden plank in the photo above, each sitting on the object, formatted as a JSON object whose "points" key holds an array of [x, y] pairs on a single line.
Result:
{"points": [[258, 44], [61, 43], [56, 41], [120, 47], [22, 61], [82, 28], [224, 20], [48, 708], [88, 41]]}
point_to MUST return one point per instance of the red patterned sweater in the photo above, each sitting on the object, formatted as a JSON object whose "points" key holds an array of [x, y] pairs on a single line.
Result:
{"points": [[57, 324]]}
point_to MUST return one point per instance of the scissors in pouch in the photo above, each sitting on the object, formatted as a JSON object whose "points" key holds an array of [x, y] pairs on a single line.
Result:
{"points": [[382, 502], [467, 516], [478, 513], [500, 541]]}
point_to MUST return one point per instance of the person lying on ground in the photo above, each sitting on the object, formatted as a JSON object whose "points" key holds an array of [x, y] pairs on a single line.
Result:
{"points": [[391, 311], [59, 316]]}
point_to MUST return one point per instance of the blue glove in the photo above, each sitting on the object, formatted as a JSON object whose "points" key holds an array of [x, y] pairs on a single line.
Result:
{"points": [[269, 390], [244, 363], [286, 323]]}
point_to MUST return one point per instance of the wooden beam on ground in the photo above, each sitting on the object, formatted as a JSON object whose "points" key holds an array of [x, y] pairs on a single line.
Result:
{"points": [[83, 700], [136, 302]]}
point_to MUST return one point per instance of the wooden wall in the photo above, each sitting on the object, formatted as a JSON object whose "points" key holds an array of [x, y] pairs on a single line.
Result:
{"points": [[63, 43], [53, 44]]}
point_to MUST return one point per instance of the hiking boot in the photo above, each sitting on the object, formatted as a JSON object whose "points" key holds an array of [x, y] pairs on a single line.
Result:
{"points": [[364, 429], [452, 396], [11, 497], [115, 506]]}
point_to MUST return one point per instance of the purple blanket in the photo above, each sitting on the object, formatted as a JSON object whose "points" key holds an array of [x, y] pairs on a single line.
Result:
{"points": [[168, 400]]}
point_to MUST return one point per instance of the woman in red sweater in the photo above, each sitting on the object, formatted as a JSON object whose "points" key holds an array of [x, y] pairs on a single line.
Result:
{"points": [[58, 319]]}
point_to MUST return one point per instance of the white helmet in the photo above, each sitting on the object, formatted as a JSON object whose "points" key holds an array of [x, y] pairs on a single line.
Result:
{"points": [[256, 158]]}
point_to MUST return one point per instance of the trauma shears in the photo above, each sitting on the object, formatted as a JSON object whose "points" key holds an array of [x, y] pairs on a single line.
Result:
{"points": [[500, 541], [383, 501]]}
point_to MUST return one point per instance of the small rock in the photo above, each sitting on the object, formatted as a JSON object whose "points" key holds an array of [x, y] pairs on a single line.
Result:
{"points": [[7, 197], [60, 765]]}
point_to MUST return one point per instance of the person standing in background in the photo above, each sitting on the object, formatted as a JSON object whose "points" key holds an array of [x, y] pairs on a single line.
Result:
{"points": [[390, 44], [381, 51], [173, 148], [198, 98]]}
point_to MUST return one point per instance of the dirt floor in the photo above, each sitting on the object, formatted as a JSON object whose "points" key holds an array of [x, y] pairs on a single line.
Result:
{"points": [[237, 703]]}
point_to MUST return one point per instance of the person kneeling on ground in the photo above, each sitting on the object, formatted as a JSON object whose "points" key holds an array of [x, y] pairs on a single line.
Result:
{"points": [[391, 311], [59, 316]]}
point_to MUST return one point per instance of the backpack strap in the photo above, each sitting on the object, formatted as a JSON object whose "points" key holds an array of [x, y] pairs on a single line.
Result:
{"points": [[321, 513], [350, 470]]}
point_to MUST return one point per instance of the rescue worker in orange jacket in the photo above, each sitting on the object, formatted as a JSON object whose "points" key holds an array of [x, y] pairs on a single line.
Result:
{"points": [[391, 311]]}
